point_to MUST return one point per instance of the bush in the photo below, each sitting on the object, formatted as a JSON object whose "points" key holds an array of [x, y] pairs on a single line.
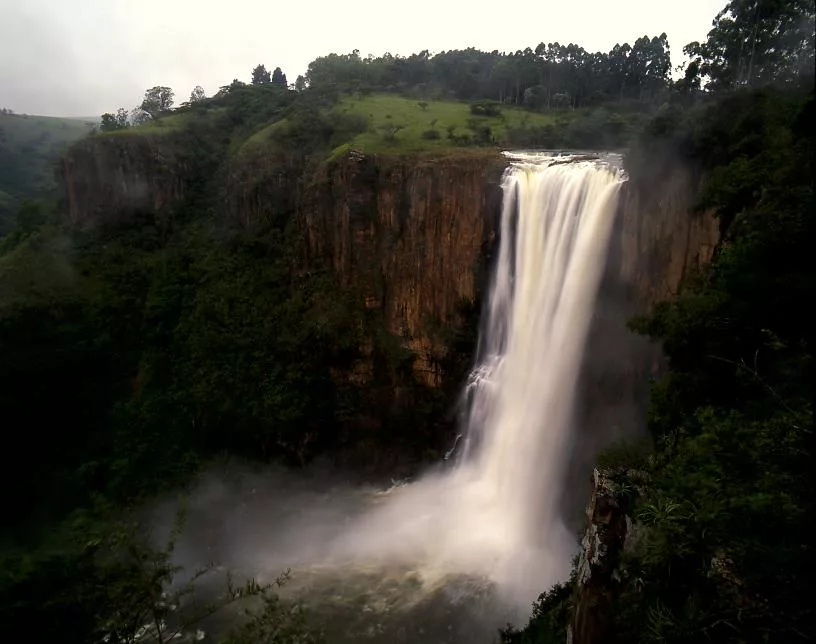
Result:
{"points": [[485, 109], [431, 135]]}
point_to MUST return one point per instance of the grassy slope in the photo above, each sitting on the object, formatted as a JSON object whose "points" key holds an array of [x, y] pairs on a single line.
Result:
{"points": [[380, 109]]}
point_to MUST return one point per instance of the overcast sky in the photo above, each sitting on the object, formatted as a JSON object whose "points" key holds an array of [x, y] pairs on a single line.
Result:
{"points": [[85, 57]]}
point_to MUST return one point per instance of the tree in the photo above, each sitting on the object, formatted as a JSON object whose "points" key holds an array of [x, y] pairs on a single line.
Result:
{"points": [[112, 122], [138, 116], [757, 42], [260, 75], [279, 78], [300, 83], [197, 95], [157, 100]]}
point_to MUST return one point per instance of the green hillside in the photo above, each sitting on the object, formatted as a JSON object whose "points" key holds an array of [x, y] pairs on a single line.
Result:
{"points": [[29, 146], [396, 123]]}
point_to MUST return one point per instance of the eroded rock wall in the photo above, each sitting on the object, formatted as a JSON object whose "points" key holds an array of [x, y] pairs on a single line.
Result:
{"points": [[109, 179], [410, 234]]}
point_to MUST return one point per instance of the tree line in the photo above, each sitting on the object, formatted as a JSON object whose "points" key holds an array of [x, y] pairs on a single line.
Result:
{"points": [[550, 76], [751, 42], [160, 99]]}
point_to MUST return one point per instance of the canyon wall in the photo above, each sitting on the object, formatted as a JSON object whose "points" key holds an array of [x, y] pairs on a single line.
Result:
{"points": [[107, 180], [659, 235], [657, 239], [411, 235]]}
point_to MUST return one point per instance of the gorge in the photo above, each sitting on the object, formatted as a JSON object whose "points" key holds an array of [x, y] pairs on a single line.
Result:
{"points": [[465, 347], [555, 234]]}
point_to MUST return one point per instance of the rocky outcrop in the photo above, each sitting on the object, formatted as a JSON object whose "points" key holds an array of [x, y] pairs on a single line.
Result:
{"points": [[601, 547], [108, 179], [263, 182], [660, 236], [409, 234]]}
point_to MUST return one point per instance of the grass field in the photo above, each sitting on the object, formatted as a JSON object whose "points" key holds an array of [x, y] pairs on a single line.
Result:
{"points": [[413, 120]]}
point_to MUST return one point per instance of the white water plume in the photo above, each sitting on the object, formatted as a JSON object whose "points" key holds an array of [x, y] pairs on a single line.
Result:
{"points": [[497, 514], [494, 518]]}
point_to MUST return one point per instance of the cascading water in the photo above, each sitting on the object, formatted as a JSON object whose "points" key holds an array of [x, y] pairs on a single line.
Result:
{"points": [[496, 514], [485, 536], [557, 216]]}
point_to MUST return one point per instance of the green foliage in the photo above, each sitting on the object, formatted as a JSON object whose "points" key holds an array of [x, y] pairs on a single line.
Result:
{"points": [[197, 95], [279, 78], [757, 42], [552, 76], [29, 149], [113, 122], [725, 514], [260, 75], [276, 622], [549, 620], [389, 130], [157, 100], [485, 109], [108, 582]]}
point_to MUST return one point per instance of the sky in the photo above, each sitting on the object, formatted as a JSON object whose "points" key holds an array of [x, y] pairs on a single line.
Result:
{"points": [[86, 57]]}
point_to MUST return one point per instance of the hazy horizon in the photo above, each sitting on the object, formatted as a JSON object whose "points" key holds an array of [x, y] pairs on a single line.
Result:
{"points": [[82, 59]]}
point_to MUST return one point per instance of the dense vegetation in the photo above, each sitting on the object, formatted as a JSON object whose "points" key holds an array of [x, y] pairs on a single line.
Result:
{"points": [[131, 355], [719, 547], [29, 148]]}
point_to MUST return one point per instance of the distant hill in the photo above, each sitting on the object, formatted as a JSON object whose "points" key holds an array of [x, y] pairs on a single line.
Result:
{"points": [[29, 145]]}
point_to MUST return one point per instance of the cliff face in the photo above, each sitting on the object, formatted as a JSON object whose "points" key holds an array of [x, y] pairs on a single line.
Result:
{"points": [[262, 184], [601, 547], [657, 239], [659, 235], [410, 235], [109, 179]]}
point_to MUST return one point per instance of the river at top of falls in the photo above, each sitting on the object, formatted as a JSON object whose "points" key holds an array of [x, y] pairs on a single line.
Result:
{"points": [[494, 517]]}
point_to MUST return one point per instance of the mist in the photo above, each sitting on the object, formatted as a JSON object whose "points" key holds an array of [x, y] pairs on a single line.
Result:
{"points": [[467, 545]]}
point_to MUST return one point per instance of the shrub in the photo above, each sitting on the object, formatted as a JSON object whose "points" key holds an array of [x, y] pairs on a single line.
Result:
{"points": [[485, 109]]}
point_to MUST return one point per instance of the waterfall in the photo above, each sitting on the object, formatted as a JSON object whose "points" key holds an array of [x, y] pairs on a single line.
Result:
{"points": [[469, 545], [496, 514], [556, 220]]}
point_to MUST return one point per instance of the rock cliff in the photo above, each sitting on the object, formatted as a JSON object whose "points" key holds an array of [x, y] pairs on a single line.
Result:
{"points": [[411, 235], [659, 235], [601, 547], [109, 179], [657, 239]]}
